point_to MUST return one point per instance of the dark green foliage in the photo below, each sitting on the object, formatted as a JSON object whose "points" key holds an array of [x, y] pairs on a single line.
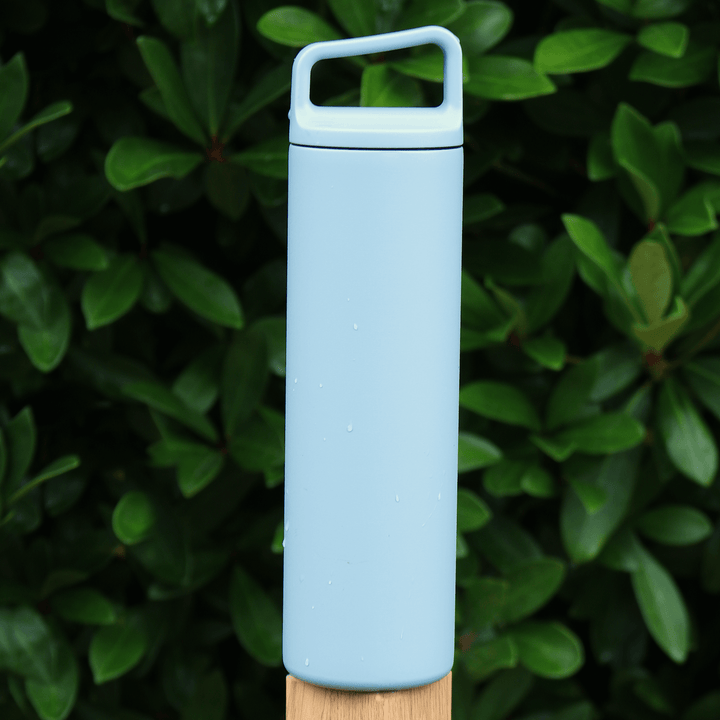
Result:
{"points": [[143, 210]]}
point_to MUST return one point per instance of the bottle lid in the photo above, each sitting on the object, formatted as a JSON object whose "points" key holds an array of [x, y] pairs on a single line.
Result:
{"points": [[378, 127]]}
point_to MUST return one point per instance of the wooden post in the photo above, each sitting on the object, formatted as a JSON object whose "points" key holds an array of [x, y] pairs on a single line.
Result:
{"points": [[305, 701]]}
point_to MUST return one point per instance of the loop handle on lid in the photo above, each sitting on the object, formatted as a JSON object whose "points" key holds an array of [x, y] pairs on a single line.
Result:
{"points": [[408, 127]]}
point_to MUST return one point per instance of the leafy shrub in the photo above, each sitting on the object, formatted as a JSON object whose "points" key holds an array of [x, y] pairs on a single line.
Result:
{"points": [[143, 209]]}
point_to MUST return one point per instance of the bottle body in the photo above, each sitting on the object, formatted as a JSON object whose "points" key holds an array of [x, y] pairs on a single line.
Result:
{"points": [[371, 434]]}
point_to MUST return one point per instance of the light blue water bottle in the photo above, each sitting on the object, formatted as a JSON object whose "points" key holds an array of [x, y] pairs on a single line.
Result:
{"points": [[373, 364]]}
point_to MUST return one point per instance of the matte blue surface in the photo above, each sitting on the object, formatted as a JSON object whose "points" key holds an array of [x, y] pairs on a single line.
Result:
{"points": [[373, 363]]}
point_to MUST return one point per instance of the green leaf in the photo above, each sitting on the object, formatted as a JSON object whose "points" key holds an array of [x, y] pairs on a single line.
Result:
{"points": [[426, 64], [584, 534], [506, 690], [109, 294], [689, 443], [200, 289], [208, 63], [548, 649], [637, 150], [197, 471], [133, 517], [538, 482], [592, 497], [77, 251], [357, 17], [558, 272], [21, 441], [227, 187], [703, 155], [693, 68], [27, 647], [24, 291], [579, 50], [504, 478], [210, 699], [295, 26], [472, 512], [256, 619], [693, 213], [161, 65], [546, 351], [531, 585], [268, 158], [500, 401], [483, 660], [429, 12], [259, 445], [702, 374], [57, 467], [675, 525], [607, 433], [84, 605], [652, 278], [135, 161], [159, 397], [115, 650], [14, 83], [46, 346], [482, 206], [704, 273], [659, 9], [506, 544], [670, 38], [476, 452], [660, 234], [198, 384], [662, 607], [381, 86], [245, 375], [623, 553], [660, 333], [484, 600], [483, 24], [499, 77], [589, 239], [270, 87], [600, 161], [274, 329], [55, 699]]}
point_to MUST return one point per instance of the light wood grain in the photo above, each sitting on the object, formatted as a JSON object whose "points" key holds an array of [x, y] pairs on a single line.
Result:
{"points": [[305, 701]]}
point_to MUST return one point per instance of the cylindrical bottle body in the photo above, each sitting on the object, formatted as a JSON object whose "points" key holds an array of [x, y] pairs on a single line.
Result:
{"points": [[371, 423]]}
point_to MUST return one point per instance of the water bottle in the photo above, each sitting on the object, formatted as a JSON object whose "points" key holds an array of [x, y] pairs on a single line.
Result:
{"points": [[373, 365]]}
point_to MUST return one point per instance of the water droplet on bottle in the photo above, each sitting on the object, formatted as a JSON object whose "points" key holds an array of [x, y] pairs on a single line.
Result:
{"points": [[287, 526], [313, 607], [283, 543], [397, 498], [438, 496], [355, 326], [295, 379], [320, 384], [307, 662], [348, 299], [350, 428], [324, 438], [361, 657], [329, 582]]}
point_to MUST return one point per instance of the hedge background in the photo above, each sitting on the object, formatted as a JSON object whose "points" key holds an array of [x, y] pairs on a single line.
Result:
{"points": [[143, 210]]}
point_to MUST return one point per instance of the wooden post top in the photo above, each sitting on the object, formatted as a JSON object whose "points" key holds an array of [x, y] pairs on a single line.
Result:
{"points": [[305, 701]]}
